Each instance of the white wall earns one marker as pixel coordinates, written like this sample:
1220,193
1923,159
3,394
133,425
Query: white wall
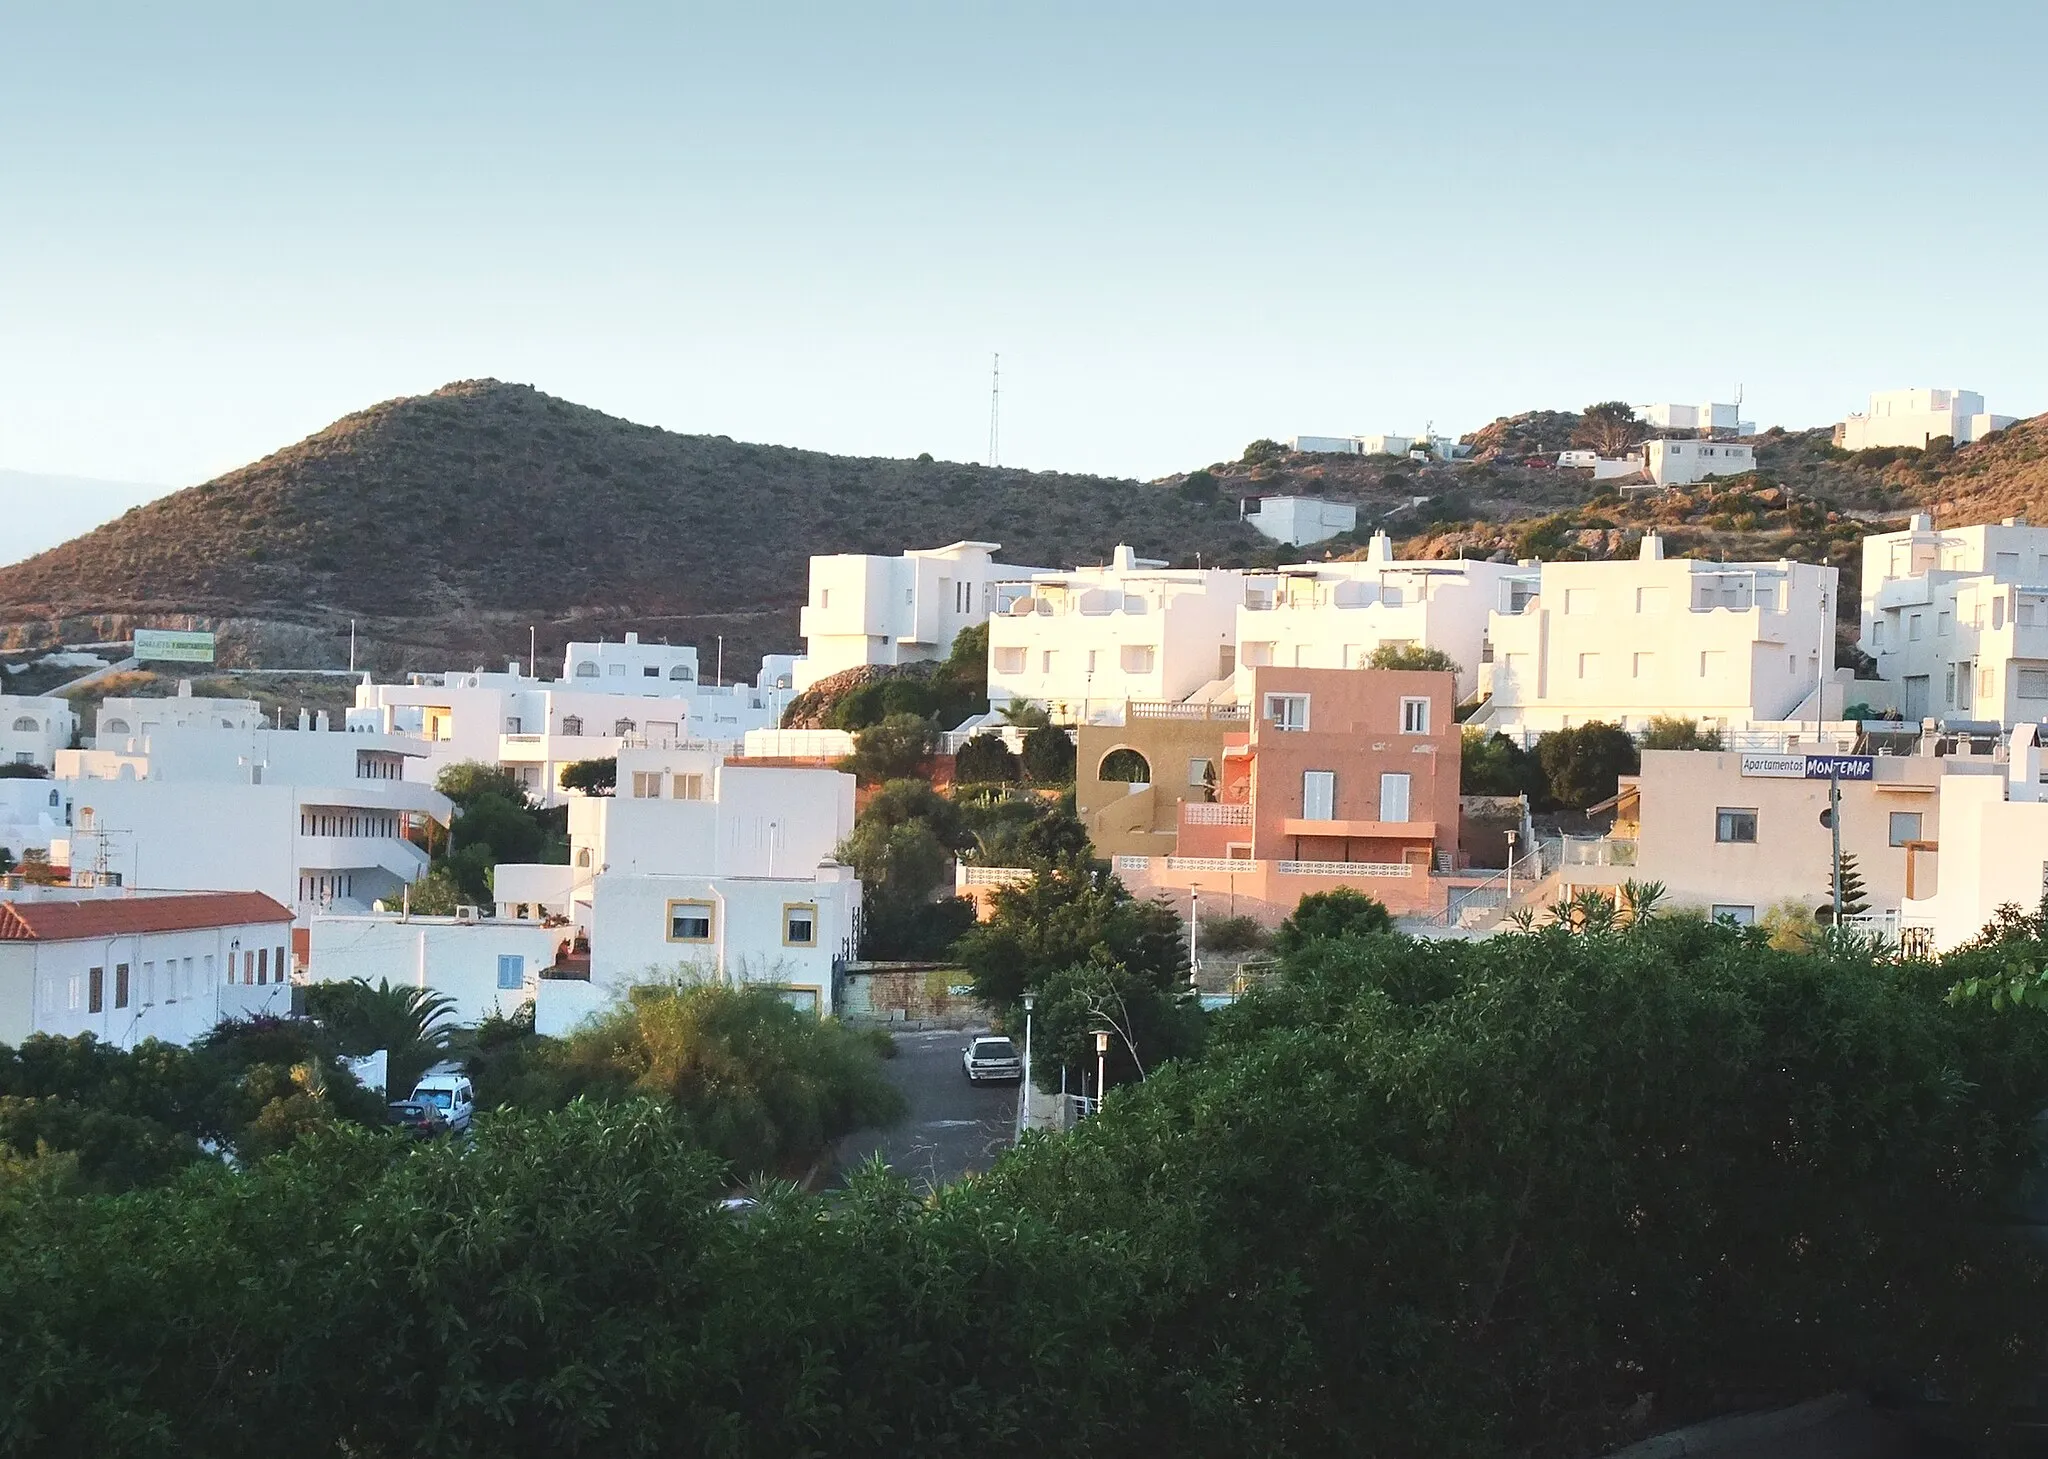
868,609
1300,520
1680,463
1914,417
460,960
120,719
45,986
33,729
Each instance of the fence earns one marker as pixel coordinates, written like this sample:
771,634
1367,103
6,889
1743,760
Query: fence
1211,813
1345,868
1163,709
993,876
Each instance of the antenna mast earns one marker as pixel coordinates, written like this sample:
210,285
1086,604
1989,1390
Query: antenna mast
995,400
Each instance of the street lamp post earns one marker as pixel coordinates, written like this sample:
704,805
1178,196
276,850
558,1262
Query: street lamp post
1024,1089
1101,1063
1194,930
1511,868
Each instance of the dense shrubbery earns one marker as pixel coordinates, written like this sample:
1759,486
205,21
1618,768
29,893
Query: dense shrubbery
1414,1199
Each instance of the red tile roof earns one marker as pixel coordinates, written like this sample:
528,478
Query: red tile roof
90,917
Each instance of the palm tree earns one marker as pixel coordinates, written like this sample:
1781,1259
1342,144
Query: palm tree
412,1025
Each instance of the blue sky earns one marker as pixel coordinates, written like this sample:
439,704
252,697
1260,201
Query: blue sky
1183,225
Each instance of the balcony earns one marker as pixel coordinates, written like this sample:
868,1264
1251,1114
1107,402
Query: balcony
1598,851
1382,830
1389,870
1208,813
1196,713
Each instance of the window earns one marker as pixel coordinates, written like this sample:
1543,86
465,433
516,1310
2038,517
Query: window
1740,915
1394,797
96,990
27,725
1137,658
617,671
650,671
622,727
2033,683
1905,827
209,970
1589,666
583,856
689,921
1009,661
1643,665
572,724
511,970
1735,826
824,597
1414,716
114,727
263,965
647,785
278,967
1581,600
1201,772
2006,565
684,673
1318,795
1258,655
799,925
120,985
1046,660
1653,600
586,670
149,989
1913,627
1941,623
1287,711
689,786
1948,685
1712,661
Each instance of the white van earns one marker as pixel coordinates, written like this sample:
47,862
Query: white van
452,1095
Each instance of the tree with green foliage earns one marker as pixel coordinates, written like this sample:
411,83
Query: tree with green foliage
1340,912
411,1024
467,781
1609,427
1855,897
591,777
1146,1016
1495,765
1666,732
1028,832
1048,757
902,848
1582,765
765,1086
504,829
1411,656
1067,915
1200,490
1263,452
23,771
899,748
986,760
1124,766
1024,714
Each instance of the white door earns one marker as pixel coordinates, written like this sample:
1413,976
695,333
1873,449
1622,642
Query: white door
1394,797
1318,795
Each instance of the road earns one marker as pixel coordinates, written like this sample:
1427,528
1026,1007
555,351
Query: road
952,1128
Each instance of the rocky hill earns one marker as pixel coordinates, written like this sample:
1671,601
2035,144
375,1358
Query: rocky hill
445,524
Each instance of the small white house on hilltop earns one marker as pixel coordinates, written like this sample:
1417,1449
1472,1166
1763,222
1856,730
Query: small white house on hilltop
1713,418
1301,520
1681,463
1915,417
122,722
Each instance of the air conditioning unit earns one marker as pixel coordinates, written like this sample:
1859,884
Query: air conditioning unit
467,913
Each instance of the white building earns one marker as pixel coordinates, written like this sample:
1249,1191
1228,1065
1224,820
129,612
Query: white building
1300,520
866,609
1958,618
1681,463
609,693
120,720
1332,615
1915,417
1604,468
1442,447
486,965
1712,418
1730,644
1081,643
316,820
33,729
127,968
1993,851
698,869
31,814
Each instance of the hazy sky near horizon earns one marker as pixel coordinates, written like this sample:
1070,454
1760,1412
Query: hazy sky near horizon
1183,225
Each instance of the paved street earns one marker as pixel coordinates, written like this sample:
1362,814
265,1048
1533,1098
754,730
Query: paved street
952,1127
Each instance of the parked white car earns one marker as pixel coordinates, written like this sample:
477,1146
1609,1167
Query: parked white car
452,1095
991,1058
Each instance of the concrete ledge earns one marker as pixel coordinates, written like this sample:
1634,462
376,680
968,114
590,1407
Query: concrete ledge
1840,1426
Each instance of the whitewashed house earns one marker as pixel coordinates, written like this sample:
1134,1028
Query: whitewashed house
486,965
1916,417
1958,618
123,721
697,869
608,694
31,814
1332,615
1681,463
1081,643
127,968
1729,644
868,609
1301,520
312,818
1993,850
34,728
1713,418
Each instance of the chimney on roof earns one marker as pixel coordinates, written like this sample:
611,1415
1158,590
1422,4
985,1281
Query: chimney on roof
321,722
1381,548
1124,559
1653,548
632,638
305,719
184,688
1922,522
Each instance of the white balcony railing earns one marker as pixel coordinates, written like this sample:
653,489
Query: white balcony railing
1206,813
1598,851
1224,864
1131,863
993,876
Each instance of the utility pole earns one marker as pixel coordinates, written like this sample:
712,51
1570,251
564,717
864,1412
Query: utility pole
532,649
721,662
351,645
995,399
1835,828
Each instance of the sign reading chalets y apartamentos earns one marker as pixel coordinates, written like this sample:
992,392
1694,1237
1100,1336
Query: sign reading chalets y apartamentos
163,645
1810,767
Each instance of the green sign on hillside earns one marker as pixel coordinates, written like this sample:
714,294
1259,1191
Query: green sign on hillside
162,645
